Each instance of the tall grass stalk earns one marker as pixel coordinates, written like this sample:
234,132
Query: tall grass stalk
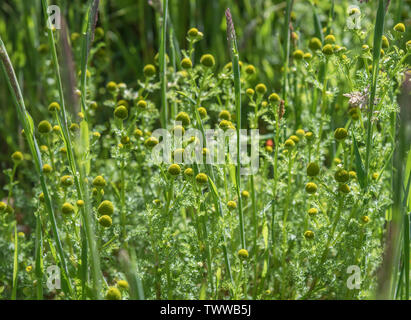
79,175
28,127
237,87
38,268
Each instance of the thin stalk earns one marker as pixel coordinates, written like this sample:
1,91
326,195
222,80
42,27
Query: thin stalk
237,88
38,268
286,37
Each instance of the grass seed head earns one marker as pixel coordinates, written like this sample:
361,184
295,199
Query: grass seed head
106,208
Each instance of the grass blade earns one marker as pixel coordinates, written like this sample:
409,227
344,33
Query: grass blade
35,152
237,87
79,175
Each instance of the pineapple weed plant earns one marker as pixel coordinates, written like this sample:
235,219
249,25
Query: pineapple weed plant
120,226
